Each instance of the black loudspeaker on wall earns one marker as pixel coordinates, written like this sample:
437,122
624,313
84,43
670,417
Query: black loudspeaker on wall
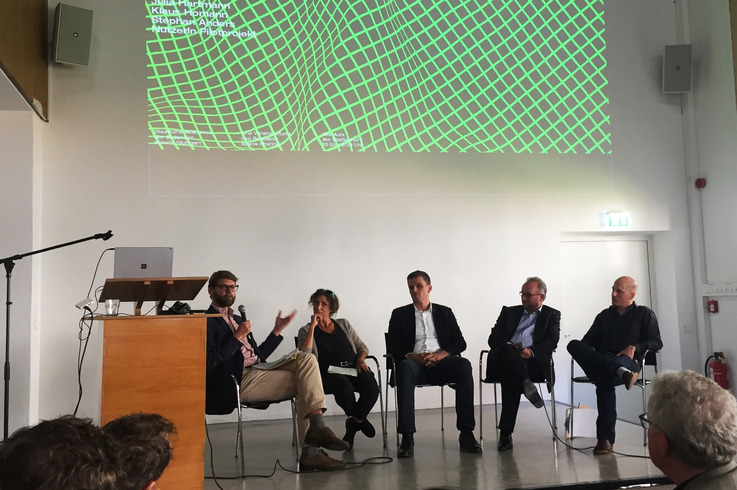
677,68
72,35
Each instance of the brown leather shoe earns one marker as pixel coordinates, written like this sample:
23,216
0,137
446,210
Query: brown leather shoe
629,379
603,446
324,437
320,462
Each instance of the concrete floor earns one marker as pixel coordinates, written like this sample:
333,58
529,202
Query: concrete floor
535,462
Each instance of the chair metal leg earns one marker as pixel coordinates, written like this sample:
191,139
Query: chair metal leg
551,388
294,421
396,414
381,405
570,417
239,441
481,399
238,434
644,409
442,408
381,400
552,408
496,410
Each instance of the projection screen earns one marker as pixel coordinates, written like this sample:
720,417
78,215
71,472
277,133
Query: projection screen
514,76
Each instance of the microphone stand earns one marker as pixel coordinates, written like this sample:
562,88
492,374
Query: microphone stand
9,263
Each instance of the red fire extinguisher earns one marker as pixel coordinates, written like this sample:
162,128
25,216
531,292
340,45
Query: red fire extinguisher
717,369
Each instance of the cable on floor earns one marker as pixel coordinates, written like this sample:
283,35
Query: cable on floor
555,433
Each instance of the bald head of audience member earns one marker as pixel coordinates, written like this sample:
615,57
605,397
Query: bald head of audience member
693,426
63,453
144,441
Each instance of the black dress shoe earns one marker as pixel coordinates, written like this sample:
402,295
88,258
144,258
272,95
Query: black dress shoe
531,394
407,446
469,444
367,428
351,427
505,442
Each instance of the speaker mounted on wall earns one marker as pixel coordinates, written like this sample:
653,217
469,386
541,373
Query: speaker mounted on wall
72,35
677,69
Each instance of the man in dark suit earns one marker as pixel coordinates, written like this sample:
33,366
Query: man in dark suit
426,342
232,351
522,343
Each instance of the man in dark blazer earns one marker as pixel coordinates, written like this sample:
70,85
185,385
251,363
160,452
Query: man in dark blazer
425,342
522,343
233,352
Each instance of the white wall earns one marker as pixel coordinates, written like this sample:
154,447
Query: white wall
357,225
16,218
715,116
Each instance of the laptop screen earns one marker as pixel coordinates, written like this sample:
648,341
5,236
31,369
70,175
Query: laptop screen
135,262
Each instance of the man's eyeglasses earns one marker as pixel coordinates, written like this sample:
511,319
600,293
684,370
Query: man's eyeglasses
227,287
325,292
528,295
644,421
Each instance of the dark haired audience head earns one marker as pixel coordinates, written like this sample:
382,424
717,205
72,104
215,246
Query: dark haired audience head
63,453
129,453
145,447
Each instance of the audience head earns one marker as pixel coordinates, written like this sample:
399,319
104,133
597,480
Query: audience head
144,440
59,454
330,296
693,423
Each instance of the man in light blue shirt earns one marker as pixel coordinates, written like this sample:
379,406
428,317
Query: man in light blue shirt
522,343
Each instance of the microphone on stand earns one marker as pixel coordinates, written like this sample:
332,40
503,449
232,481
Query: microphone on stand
104,236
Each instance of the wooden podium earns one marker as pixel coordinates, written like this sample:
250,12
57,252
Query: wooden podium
157,364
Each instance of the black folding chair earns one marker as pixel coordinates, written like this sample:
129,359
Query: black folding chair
497,379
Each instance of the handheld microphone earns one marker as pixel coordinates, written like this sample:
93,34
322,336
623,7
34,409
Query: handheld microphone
251,340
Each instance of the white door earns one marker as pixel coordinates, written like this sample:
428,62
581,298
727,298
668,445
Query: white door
589,268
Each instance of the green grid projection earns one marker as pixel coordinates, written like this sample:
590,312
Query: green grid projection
381,75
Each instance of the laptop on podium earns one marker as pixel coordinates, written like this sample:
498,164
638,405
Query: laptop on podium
137,262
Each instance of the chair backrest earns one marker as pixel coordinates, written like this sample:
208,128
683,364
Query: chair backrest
651,358
389,361
386,347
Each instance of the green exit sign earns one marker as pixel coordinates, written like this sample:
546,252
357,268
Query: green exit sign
617,220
